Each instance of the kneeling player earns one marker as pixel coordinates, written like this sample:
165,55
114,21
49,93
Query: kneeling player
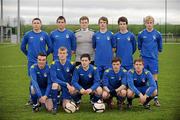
61,75
40,84
141,84
114,83
86,80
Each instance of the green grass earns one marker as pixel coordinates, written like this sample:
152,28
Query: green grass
14,91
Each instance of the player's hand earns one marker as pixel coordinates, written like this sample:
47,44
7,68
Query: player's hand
142,98
43,99
88,91
83,91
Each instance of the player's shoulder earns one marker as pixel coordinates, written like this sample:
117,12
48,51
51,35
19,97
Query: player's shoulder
142,31
44,32
54,62
78,67
69,31
110,32
131,71
157,32
28,32
123,69
146,72
53,32
33,66
78,30
108,70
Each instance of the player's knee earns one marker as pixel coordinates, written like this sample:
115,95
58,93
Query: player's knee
55,86
49,104
105,95
32,90
99,91
65,101
123,93
130,93
154,93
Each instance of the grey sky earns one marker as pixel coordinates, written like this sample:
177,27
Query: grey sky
134,10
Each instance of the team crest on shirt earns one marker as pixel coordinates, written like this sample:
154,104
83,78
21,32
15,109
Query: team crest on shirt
41,38
128,38
154,37
67,36
56,36
108,38
90,75
67,69
143,80
45,74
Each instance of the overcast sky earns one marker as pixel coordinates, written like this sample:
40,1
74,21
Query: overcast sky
134,10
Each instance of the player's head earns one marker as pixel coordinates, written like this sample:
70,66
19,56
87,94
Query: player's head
138,65
84,22
61,22
41,59
36,24
85,60
62,53
123,23
103,22
149,22
116,63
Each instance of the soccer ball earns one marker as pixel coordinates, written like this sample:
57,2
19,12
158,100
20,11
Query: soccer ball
99,107
70,107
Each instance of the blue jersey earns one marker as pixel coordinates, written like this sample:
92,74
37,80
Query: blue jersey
125,47
103,44
40,79
64,38
114,80
37,43
145,79
150,43
86,79
60,73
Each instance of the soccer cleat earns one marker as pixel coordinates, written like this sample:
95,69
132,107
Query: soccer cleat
35,108
54,111
156,103
110,103
129,106
29,103
77,106
147,106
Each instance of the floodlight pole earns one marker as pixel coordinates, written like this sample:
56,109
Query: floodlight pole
62,7
1,21
18,22
38,8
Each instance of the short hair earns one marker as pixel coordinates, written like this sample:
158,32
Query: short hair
84,18
122,19
138,60
36,19
116,59
61,18
103,18
85,55
62,48
148,18
42,54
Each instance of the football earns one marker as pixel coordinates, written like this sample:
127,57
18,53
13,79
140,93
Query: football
99,107
70,107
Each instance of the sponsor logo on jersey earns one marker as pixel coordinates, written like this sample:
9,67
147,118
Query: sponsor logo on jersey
67,36
31,37
67,69
143,80
128,38
45,74
90,75
144,37
108,38
135,79
118,38
56,36
58,69
41,38
119,78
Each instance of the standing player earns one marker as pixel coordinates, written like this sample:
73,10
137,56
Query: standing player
114,83
86,80
150,44
40,83
141,84
61,75
84,40
62,37
125,44
35,42
104,46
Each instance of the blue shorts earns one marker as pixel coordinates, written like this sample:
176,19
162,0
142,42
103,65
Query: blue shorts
142,89
43,91
151,65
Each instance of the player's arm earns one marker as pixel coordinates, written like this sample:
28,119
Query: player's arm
48,89
73,43
113,43
133,41
105,81
159,42
94,41
152,84
35,85
139,41
131,83
52,40
96,79
75,79
123,81
54,78
24,43
49,45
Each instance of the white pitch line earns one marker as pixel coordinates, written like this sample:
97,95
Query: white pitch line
12,66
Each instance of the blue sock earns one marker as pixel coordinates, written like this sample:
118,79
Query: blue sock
54,97
120,99
77,98
34,98
96,98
